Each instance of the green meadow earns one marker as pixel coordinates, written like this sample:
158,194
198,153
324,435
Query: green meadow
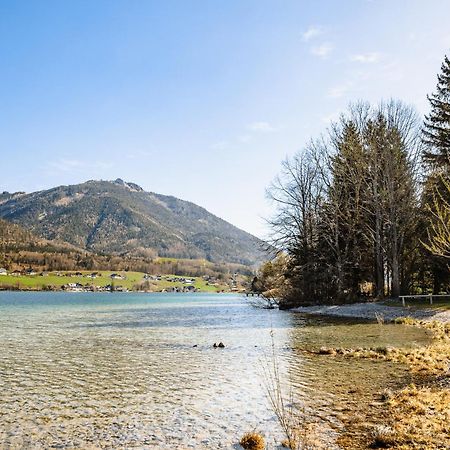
131,281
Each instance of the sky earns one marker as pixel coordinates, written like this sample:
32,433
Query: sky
198,99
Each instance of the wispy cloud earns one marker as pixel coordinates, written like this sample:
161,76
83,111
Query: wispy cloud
323,50
366,58
74,165
340,90
311,33
65,164
246,136
391,72
263,127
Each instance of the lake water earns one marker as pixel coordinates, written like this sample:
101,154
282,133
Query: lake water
139,370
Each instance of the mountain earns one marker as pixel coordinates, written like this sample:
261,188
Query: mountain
120,218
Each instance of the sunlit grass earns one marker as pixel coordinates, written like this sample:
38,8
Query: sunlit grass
419,418
132,281
431,359
253,441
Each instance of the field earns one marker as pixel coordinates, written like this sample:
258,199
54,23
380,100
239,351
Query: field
131,281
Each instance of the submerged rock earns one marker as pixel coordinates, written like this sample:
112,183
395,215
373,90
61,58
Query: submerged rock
326,351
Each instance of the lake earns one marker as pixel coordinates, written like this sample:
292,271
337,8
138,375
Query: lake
88,370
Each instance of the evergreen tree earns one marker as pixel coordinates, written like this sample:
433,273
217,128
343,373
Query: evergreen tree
436,195
439,231
343,215
436,133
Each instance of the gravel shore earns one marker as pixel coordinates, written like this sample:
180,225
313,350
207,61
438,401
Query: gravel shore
371,310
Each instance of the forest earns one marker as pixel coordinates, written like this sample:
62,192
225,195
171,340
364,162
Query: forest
363,211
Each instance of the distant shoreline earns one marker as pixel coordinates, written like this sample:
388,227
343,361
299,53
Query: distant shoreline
116,281
116,292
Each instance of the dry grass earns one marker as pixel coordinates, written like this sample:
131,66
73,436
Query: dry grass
253,441
416,417
420,416
419,419
380,318
405,321
383,437
432,359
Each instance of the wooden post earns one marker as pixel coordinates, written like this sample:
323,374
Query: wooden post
403,300
431,299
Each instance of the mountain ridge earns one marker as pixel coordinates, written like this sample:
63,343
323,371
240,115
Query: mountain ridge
119,217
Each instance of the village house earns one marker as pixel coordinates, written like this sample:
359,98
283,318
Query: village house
3,271
92,275
150,277
74,287
189,289
116,276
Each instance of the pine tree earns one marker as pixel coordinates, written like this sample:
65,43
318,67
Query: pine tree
344,210
436,133
436,196
439,231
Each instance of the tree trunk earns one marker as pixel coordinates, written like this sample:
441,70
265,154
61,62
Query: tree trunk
395,277
379,263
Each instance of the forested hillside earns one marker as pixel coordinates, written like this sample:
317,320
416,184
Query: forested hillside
119,218
21,249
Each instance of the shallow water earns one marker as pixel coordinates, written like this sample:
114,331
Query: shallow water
115,371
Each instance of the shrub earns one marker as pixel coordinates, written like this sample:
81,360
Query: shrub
253,441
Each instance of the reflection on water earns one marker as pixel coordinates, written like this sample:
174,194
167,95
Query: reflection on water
121,370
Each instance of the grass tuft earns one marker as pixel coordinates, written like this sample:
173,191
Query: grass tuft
383,437
405,321
253,441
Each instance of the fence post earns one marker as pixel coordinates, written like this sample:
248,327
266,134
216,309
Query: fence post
403,300
431,299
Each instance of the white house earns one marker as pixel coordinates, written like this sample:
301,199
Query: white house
116,276
3,271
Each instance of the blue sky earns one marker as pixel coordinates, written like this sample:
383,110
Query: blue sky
198,99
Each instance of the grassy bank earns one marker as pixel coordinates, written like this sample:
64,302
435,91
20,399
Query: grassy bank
418,415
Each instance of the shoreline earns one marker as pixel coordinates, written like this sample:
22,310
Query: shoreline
370,311
418,412
99,291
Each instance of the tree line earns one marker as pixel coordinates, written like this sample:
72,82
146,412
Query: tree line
364,211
